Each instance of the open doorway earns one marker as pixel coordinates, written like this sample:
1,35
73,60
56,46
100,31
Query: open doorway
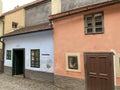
18,65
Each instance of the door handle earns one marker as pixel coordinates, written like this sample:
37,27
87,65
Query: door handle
101,74
92,73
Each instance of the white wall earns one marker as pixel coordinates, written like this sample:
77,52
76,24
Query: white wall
56,6
39,40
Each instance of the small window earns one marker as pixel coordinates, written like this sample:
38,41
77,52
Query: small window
73,62
8,55
14,25
94,23
35,58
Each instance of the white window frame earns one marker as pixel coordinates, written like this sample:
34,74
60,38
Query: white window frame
79,63
117,64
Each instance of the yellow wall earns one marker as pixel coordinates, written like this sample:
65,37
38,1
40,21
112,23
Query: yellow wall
0,7
1,24
18,16
56,6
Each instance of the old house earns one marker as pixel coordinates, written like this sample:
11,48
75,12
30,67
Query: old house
12,20
87,47
29,48
1,33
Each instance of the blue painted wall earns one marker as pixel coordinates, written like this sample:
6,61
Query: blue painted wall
38,40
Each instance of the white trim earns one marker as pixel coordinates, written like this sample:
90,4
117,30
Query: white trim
117,65
79,63
115,70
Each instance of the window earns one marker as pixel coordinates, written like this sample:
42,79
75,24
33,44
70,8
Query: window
8,55
94,23
14,25
73,62
35,58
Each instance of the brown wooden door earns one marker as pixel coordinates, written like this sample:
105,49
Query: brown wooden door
99,71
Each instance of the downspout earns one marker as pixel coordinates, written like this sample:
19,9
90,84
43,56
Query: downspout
3,50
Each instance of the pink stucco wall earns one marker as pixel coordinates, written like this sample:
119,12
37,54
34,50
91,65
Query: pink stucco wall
69,37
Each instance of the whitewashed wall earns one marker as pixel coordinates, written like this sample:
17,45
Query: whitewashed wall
38,40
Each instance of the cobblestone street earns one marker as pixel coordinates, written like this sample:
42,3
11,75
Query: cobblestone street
18,83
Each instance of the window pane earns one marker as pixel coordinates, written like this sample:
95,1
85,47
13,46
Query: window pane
37,59
32,53
89,18
98,18
37,63
8,54
72,62
37,53
99,30
32,62
89,25
14,25
33,58
89,30
98,24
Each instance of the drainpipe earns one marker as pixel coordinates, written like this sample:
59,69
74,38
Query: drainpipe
2,62
3,49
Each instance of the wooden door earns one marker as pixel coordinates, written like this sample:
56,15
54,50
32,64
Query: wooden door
99,71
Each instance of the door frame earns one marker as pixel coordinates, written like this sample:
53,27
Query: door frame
23,60
99,53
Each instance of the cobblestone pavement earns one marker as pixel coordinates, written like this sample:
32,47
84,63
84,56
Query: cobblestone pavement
18,83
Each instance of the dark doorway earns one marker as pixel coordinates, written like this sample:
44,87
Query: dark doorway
18,62
99,71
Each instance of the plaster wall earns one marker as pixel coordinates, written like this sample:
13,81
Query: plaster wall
69,37
38,14
56,6
39,40
18,17
72,4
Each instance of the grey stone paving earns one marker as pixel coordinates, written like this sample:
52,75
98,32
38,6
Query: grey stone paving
18,83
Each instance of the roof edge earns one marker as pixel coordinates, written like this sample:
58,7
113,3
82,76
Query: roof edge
48,29
83,9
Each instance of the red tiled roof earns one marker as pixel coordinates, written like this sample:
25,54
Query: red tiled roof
30,29
83,9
